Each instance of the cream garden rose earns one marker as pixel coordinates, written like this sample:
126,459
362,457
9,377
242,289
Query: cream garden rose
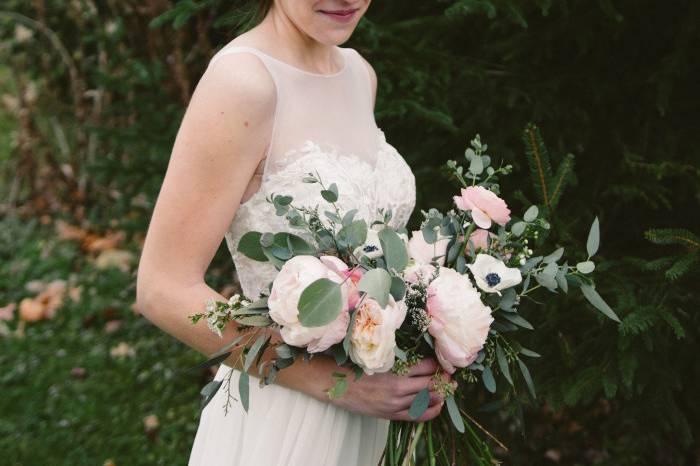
459,320
294,276
373,339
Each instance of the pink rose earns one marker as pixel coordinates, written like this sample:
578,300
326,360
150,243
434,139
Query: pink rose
484,205
294,276
373,336
459,321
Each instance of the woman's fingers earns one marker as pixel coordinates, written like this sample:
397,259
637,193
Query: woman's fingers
405,401
424,367
412,385
430,413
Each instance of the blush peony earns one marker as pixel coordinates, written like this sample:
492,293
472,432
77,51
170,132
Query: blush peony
459,321
295,275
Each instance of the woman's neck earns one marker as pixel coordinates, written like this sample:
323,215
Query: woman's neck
293,45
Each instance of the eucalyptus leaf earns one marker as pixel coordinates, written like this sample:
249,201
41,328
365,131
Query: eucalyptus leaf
518,228
593,241
244,389
561,278
419,404
528,379
395,252
208,392
299,246
597,301
503,364
455,415
476,166
518,320
320,303
531,213
249,246
530,353
254,349
398,288
553,257
507,299
585,267
377,284
489,381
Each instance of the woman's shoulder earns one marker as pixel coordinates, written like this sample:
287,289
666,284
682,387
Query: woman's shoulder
368,66
240,76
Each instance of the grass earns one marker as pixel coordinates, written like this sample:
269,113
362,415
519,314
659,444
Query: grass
49,414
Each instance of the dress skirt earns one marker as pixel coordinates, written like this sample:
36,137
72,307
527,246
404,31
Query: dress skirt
283,427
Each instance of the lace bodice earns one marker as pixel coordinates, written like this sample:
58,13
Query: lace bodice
339,140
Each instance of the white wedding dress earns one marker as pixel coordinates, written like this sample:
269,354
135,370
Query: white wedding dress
324,123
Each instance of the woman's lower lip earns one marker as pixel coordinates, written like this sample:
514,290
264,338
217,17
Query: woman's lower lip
340,18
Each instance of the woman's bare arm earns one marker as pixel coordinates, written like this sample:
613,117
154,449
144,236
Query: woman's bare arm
220,142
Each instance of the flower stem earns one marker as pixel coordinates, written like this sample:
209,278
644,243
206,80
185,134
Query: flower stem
413,444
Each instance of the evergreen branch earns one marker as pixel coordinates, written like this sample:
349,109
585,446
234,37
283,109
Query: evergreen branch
563,173
539,160
682,266
673,236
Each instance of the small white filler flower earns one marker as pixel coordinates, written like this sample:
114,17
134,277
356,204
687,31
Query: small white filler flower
492,275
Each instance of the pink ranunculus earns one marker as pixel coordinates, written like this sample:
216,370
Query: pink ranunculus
294,276
484,205
459,320
479,240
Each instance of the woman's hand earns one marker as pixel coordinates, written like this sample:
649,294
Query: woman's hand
389,396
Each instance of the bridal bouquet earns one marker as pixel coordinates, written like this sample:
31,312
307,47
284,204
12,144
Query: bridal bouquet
377,300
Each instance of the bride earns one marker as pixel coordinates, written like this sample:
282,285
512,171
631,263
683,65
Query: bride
280,100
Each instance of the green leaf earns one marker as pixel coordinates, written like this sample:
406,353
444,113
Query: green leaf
348,217
299,246
249,246
489,381
419,404
530,353
355,233
528,379
507,299
330,194
503,363
476,165
244,390
398,288
518,320
553,257
531,213
454,413
377,284
597,301
593,238
394,248
340,386
518,228
208,392
254,350
320,303
585,267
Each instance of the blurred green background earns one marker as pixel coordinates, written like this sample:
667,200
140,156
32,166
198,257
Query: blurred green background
92,94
